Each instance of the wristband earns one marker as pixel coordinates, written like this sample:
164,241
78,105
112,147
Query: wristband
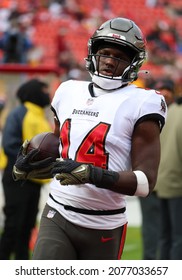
142,184
103,178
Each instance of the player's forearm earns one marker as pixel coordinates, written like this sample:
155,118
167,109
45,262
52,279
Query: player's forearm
124,182
70,172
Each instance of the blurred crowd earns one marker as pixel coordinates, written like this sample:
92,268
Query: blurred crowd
79,18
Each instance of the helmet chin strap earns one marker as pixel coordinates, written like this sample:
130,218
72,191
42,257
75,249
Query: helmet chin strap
107,83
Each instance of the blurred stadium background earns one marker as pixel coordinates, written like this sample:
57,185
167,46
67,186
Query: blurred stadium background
45,21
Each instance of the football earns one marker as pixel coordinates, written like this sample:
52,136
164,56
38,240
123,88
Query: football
47,143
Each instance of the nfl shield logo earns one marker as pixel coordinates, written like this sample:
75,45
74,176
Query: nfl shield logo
90,101
51,214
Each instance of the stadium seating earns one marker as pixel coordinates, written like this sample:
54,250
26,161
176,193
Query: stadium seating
77,35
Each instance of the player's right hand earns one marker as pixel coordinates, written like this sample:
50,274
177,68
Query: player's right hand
26,168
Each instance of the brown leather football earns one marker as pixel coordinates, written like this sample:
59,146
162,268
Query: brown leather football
47,143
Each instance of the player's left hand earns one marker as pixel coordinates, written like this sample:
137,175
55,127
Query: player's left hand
70,172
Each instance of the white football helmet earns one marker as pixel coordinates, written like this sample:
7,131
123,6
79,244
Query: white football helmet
127,36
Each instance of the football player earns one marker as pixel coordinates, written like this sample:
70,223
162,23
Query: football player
109,148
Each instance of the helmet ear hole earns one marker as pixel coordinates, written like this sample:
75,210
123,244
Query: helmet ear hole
132,75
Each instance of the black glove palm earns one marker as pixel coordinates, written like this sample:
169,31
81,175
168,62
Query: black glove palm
26,167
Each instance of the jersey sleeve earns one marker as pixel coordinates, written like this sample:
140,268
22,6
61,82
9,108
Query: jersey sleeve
153,108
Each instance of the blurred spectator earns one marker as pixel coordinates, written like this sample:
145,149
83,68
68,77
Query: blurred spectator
75,9
64,57
167,89
3,159
22,200
162,43
15,44
169,185
151,3
56,9
150,206
4,15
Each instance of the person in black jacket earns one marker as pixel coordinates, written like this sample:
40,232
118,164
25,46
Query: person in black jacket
15,44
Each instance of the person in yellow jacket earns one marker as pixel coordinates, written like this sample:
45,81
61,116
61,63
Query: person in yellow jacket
22,198
3,158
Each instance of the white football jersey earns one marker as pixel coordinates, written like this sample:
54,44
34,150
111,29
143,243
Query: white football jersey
98,130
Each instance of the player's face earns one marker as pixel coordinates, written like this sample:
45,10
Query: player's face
111,61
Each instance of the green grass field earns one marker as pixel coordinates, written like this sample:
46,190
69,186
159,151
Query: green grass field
133,244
